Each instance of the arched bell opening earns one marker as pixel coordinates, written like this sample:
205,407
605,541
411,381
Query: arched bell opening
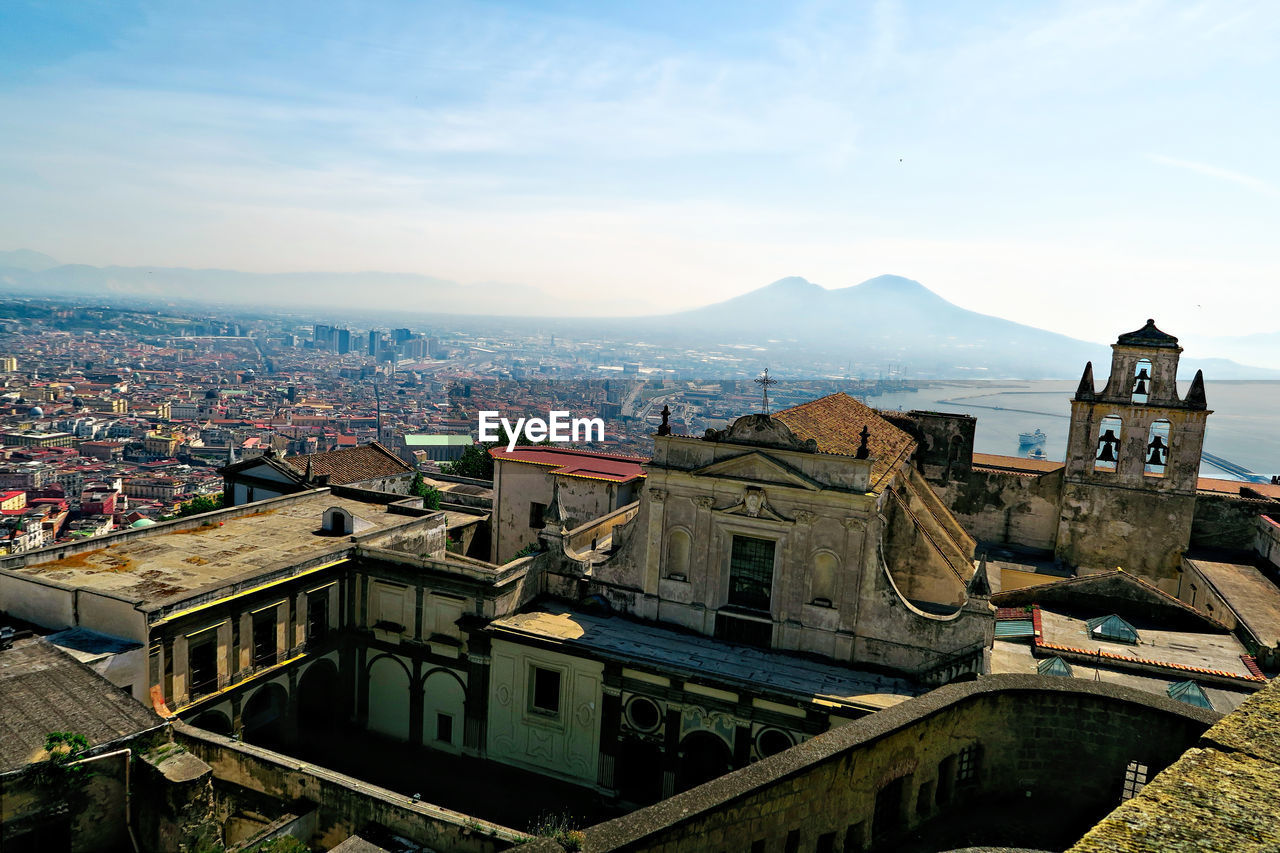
1107,451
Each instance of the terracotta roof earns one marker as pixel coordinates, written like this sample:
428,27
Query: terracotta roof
1017,464
1233,487
352,464
610,467
835,422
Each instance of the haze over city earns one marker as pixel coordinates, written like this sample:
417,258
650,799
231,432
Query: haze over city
1058,165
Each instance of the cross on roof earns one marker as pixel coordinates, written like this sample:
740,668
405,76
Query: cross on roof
764,382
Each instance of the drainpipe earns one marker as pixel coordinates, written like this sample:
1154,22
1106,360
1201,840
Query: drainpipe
128,811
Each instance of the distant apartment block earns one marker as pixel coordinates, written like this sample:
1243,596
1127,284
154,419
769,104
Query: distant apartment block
39,439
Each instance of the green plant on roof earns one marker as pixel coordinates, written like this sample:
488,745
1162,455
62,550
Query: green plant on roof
419,489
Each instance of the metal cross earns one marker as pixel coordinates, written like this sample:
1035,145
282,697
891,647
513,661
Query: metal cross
764,382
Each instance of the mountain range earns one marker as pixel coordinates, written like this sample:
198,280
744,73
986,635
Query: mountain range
888,320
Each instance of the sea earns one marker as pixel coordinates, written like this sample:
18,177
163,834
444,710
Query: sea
1244,427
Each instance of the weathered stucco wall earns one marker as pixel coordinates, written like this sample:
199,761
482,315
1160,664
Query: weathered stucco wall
1005,508
1054,747
1226,522
1141,532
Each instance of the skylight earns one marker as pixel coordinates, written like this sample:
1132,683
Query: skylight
1112,628
1191,693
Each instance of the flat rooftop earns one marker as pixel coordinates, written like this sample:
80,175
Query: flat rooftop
162,564
1254,599
702,658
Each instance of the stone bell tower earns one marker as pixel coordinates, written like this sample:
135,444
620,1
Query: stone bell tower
1133,458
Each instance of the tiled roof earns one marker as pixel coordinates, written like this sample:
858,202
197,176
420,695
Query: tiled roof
576,463
835,423
43,690
352,464
1016,464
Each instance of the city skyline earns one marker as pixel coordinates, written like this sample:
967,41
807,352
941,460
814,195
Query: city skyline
1028,163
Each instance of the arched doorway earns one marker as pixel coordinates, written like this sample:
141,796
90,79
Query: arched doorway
389,697
213,721
638,772
265,716
703,757
320,701
444,701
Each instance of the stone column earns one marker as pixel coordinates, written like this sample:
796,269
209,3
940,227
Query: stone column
416,702
671,748
180,662
225,663
282,630
741,742
362,687
610,714
299,621
653,564
246,641
476,724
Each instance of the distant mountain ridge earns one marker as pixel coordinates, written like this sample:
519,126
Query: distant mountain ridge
892,319
888,319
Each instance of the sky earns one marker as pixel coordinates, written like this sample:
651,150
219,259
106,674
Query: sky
1076,166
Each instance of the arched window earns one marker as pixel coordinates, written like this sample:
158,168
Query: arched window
822,582
1107,451
1157,453
678,547
1141,381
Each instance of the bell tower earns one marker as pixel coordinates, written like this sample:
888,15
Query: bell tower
1133,459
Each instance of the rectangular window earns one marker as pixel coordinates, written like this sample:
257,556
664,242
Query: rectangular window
317,616
793,842
751,572
946,779
444,728
887,817
536,513
264,637
826,843
853,837
967,764
924,798
544,691
202,664
1135,777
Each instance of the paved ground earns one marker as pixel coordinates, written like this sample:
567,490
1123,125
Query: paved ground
495,792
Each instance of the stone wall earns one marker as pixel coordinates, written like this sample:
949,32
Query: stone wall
1051,752
1005,508
346,805
1228,523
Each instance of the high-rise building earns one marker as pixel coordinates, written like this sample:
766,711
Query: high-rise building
374,340
342,340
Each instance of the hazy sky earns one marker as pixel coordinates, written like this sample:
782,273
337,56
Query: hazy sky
1078,167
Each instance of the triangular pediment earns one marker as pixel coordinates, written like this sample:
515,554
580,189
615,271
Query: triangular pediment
758,468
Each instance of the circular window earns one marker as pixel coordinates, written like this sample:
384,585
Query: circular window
772,741
643,714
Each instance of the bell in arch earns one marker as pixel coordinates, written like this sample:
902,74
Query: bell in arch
1108,442
1143,379
1158,449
